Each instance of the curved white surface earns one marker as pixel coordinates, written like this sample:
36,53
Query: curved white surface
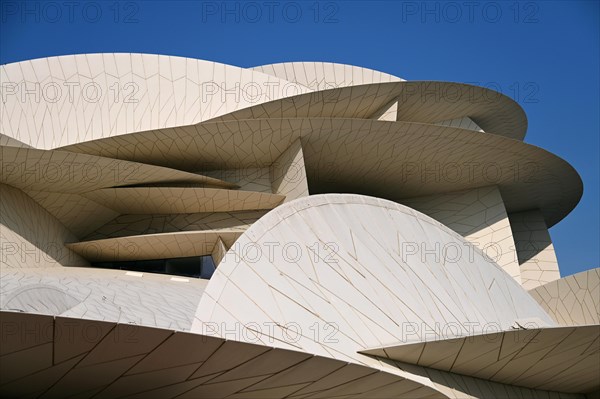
83,97
144,299
372,280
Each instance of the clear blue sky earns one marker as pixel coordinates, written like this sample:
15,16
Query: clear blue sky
544,54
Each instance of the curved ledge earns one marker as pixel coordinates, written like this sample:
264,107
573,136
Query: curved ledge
418,101
133,225
153,246
169,200
70,172
565,359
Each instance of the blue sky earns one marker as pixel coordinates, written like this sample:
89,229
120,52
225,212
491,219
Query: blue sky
545,55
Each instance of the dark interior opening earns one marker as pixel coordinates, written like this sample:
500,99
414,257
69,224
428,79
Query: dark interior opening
194,266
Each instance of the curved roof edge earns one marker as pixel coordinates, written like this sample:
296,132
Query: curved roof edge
321,75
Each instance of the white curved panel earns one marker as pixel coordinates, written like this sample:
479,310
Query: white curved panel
57,101
348,264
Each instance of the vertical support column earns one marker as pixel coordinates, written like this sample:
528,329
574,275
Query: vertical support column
288,174
535,250
218,252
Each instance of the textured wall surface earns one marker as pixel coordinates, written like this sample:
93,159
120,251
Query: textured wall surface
248,179
165,200
31,237
572,300
388,113
558,358
79,214
154,246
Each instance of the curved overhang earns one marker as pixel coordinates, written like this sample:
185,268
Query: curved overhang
132,225
157,91
417,101
73,356
178,244
393,160
70,172
396,161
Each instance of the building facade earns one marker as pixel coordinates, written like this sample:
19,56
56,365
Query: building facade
174,227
